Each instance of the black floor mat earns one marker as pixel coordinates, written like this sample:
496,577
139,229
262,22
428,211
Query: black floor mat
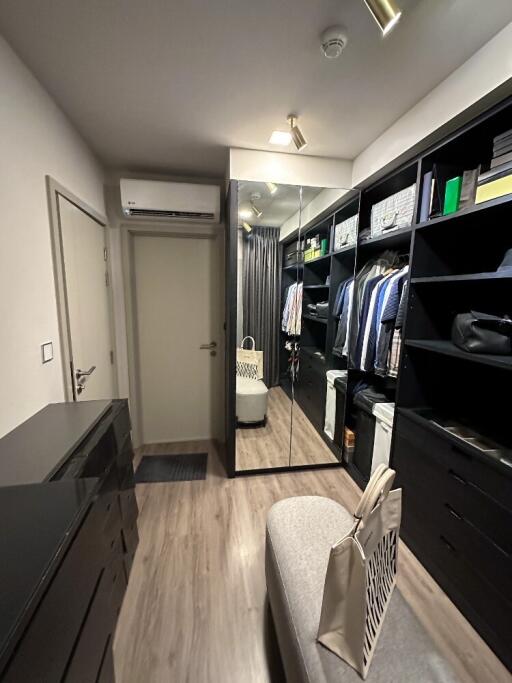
160,468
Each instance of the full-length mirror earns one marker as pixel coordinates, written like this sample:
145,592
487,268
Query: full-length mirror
265,330
296,253
327,236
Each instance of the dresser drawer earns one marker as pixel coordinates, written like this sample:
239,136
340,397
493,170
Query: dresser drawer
63,608
427,464
129,508
477,597
100,622
122,425
470,468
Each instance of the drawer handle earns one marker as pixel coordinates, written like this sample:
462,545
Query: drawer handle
456,476
448,545
453,512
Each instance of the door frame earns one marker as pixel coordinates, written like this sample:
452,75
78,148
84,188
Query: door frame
54,191
128,232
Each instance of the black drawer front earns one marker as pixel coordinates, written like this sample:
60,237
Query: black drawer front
107,674
426,464
122,425
125,452
100,622
485,477
129,508
477,598
64,606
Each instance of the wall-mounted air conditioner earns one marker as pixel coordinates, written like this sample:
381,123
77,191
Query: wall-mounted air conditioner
170,200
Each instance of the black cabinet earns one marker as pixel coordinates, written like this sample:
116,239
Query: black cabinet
310,388
457,517
59,621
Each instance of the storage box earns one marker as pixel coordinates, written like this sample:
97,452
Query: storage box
345,233
394,212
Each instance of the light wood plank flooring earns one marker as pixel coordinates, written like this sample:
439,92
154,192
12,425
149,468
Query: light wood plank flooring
269,446
195,608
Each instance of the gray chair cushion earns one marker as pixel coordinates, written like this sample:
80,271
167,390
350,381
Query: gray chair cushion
300,533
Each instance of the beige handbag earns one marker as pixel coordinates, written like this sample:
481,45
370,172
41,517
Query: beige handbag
361,574
249,362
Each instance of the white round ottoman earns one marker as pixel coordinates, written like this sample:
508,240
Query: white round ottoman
251,400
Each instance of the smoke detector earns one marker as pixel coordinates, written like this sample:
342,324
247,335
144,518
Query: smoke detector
333,40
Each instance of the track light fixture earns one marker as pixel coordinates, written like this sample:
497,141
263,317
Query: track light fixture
385,13
271,187
298,138
254,198
246,227
256,211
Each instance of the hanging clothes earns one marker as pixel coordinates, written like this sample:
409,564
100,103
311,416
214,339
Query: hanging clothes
396,342
292,311
394,296
372,326
341,311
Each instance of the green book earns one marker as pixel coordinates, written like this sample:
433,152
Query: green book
452,195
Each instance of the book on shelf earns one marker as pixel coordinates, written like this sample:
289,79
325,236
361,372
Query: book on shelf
426,197
494,188
502,159
440,174
468,189
495,173
452,195
503,148
503,136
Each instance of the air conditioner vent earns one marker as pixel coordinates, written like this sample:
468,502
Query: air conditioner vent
156,213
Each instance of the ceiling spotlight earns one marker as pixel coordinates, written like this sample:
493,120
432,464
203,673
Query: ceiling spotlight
280,137
245,213
271,187
256,211
333,40
246,227
385,13
298,139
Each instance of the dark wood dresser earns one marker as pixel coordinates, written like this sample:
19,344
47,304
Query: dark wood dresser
68,538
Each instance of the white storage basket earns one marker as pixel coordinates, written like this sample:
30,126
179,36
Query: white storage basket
345,233
393,212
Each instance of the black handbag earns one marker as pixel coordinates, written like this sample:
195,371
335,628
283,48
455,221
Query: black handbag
482,333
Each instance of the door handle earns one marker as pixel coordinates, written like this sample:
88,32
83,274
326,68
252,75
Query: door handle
84,373
211,345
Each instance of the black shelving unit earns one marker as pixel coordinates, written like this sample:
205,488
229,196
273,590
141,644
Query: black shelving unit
452,442
457,496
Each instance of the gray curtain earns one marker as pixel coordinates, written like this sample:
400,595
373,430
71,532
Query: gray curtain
262,296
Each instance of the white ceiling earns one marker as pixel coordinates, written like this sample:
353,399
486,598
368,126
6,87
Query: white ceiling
163,85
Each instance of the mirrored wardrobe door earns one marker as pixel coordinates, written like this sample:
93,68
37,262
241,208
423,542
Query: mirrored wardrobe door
266,291
327,233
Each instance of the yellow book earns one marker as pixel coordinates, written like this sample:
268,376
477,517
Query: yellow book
496,188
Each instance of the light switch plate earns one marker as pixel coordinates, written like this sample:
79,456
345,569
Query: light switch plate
47,352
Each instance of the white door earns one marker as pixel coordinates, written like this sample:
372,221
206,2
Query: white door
177,309
88,307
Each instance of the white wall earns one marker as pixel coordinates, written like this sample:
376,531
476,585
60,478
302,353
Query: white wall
289,169
37,140
484,72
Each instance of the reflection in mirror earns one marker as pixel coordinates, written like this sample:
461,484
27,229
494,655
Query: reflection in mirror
327,234
267,314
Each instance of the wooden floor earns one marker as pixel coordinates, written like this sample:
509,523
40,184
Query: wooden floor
195,608
269,446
